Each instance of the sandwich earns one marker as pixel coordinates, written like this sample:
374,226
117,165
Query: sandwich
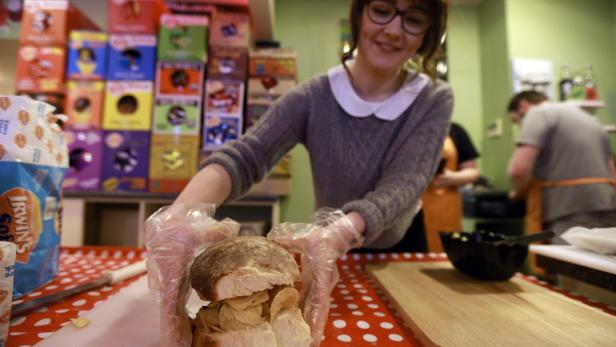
249,282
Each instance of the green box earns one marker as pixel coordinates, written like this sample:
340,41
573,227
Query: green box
183,38
177,115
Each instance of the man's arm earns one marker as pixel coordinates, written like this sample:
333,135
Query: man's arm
520,170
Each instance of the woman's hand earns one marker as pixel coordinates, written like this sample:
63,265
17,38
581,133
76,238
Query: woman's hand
173,235
330,235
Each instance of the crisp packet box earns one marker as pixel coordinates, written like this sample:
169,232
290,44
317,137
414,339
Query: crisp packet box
276,62
220,129
33,163
48,22
183,38
230,29
87,55
224,97
131,57
228,62
134,17
40,69
128,105
177,115
85,160
125,160
267,89
84,104
173,162
179,78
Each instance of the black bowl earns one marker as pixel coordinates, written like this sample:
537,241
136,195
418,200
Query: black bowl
476,254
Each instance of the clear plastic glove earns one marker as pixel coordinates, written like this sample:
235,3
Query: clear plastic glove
174,235
329,236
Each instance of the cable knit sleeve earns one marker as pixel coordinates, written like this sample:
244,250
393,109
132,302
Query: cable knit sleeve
251,157
407,171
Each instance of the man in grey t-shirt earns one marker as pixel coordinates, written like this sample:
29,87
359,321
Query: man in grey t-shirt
563,158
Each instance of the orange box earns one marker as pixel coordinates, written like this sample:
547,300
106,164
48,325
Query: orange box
48,22
173,162
84,104
179,78
134,16
230,29
40,69
276,62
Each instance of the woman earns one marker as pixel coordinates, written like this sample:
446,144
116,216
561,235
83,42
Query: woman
442,201
373,129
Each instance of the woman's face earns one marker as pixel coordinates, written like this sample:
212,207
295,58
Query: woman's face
388,46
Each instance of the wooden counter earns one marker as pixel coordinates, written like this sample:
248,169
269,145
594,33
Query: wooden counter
444,307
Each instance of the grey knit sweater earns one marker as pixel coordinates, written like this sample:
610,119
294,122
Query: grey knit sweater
375,167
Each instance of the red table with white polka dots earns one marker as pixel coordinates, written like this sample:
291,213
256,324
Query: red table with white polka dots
359,316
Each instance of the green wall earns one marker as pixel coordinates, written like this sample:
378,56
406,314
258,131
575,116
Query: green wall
495,85
464,58
571,32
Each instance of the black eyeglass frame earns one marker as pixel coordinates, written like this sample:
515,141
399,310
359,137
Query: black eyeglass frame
397,13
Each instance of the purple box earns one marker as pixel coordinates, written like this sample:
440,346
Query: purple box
125,160
85,159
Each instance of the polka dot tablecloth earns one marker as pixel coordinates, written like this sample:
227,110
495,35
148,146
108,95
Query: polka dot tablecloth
77,266
359,315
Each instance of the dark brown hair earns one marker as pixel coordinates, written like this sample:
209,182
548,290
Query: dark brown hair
532,96
431,48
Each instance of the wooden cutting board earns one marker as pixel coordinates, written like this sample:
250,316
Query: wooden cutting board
444,307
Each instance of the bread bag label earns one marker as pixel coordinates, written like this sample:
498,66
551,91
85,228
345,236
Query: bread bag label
33,163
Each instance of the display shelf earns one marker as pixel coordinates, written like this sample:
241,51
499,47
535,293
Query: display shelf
587,103
118,218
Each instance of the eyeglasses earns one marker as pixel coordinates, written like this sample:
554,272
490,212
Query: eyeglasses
414,22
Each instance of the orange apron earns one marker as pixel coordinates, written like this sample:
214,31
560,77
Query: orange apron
534,204
442,207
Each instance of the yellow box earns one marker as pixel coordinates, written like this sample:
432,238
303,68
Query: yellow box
128,105
173,161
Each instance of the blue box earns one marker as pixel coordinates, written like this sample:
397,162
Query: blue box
87,55
132,57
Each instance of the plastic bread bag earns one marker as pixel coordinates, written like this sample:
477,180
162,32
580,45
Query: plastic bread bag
320,243
598,240
174,235
33,163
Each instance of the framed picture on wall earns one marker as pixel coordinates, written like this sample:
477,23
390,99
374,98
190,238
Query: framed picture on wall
533,74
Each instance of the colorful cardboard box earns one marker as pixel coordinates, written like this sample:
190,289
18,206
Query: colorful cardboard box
177,115
220,129
128,105
40,69
85,160
173,162
265,90
179,78
224,97
87,55
134,16
132,57
230,29
84,104
125,160
183,38
228,62
48,22
277,62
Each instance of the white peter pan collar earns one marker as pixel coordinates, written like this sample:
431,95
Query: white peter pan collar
389,109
